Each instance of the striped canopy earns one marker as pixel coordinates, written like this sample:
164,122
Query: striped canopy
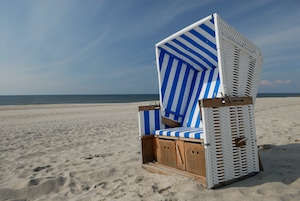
187,66
194,46
194,64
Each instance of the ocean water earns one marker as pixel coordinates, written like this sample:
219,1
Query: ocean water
278,95
81,99
75,99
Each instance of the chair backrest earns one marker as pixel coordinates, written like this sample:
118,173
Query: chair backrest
204,60
182,86
207,86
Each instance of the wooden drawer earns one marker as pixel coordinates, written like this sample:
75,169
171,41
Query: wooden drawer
195,158
166,153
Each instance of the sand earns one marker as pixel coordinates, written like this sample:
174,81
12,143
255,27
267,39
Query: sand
92,152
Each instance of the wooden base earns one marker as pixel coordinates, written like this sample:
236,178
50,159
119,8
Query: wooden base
167,155
173,156
166,170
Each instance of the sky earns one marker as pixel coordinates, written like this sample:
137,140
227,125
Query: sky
107,46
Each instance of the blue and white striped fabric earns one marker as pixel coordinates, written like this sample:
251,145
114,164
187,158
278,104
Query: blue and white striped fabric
149,122
196,46
208,87
184,132
188,71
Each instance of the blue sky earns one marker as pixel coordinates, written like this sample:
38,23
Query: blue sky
107,46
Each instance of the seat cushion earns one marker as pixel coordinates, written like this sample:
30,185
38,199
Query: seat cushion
184,132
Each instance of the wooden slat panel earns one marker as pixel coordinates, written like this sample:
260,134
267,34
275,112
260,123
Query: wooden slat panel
223,102
180,154
170,122
180,138
147,149
149,107
155,148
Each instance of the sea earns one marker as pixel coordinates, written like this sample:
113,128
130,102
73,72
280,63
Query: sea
90,99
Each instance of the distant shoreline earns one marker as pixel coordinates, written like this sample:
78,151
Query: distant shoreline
94,99
277,95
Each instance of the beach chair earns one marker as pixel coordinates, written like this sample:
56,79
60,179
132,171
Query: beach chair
208,76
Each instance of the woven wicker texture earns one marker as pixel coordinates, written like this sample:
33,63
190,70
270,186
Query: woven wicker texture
241,62
225,160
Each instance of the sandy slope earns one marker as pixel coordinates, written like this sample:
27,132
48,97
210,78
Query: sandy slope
91,152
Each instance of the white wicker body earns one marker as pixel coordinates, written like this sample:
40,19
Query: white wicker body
224,160
240,62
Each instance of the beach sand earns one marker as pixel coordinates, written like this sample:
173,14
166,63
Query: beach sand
92,152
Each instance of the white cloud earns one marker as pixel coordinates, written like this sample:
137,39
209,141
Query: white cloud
282,81
275,82
265,83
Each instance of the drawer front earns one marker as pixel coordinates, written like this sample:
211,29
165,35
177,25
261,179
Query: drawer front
166,152
195,158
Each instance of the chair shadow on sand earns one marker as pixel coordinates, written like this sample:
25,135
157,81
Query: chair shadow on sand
280,163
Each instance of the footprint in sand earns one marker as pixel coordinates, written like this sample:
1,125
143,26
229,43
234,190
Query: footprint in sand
76,186
36,188
160,191
111,189
102,185
89,157
34,182
264,192
40,168
139,179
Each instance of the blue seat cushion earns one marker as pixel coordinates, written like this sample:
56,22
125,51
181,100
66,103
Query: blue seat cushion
184,132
